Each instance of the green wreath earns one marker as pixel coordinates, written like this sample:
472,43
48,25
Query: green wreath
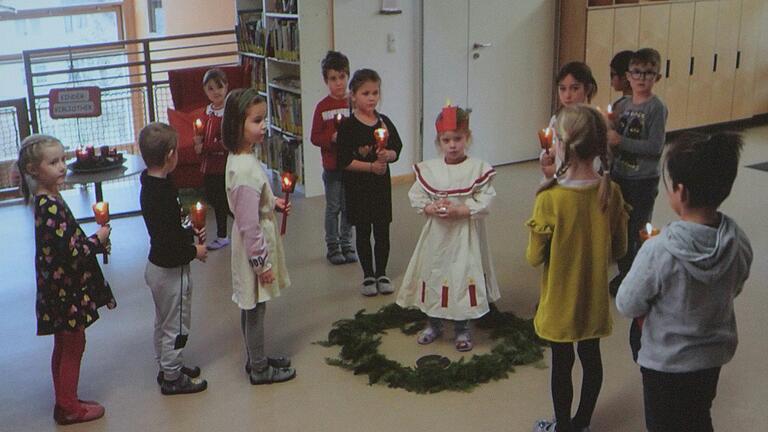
360,337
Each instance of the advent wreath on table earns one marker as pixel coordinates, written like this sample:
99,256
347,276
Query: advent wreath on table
360,337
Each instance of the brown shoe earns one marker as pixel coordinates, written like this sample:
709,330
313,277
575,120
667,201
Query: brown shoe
86,413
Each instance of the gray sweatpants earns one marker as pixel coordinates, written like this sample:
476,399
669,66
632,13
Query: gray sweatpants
172,293
252,325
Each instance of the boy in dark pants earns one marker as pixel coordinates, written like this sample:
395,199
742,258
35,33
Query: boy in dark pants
682,285
636,145
172,247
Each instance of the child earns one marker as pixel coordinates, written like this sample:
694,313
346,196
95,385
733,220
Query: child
366,178
338,232
258,261
619,69
636,145
683,282
575,84
578,227
70,285
214,155
171,249
451,275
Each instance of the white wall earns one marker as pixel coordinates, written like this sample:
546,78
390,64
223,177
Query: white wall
361,32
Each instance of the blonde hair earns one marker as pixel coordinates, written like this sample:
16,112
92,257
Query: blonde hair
462,126
583,132
31,153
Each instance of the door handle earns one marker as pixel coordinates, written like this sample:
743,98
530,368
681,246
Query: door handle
477,45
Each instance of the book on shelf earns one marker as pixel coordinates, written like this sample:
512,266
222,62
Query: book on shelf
286,111
257,72
283,40
250,32
284,6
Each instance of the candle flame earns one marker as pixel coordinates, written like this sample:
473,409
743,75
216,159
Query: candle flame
649,228
286,181
199,123
447,102
548,132
198,206
609,108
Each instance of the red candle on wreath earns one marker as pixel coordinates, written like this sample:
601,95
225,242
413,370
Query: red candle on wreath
288,184
381,135
81,154
198,125
101,214
197,214
104,151
545,139
91,152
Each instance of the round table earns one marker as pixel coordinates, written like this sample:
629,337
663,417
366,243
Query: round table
133,165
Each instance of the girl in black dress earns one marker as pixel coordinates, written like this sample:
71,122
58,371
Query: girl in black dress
366,178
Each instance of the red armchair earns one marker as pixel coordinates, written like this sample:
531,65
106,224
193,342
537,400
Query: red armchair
190,102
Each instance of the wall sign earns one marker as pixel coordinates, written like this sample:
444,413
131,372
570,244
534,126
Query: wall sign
74,102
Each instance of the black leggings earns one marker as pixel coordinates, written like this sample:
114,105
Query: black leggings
380,248
562,384
216,194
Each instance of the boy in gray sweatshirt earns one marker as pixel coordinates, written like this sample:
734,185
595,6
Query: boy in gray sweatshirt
682,285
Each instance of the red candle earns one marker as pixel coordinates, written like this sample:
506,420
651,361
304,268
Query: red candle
91,152
288,184
81,154
101,214
198,125
337,119
381,135
104,151
648,232
197,213
545,139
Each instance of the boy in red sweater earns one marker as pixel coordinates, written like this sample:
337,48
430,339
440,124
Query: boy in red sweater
329,112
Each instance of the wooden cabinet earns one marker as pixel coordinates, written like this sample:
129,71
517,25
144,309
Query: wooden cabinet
713,52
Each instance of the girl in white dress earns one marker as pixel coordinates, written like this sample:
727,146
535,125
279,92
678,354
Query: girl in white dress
451,275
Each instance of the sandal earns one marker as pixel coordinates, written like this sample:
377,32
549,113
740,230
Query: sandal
428,335
464,342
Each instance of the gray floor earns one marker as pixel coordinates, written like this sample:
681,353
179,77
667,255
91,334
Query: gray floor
118,368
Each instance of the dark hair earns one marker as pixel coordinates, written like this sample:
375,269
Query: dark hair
705,165
334,60
620,62
583,132
31,152
156,141
581,73
361,77
646,56
216,75
235,110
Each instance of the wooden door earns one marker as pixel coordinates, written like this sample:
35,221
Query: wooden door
677,77
744,85
702,63
625,35
599,52
761,71
724,61
654,33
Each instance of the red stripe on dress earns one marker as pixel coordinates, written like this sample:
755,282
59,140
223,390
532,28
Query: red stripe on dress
479,181
423,290
472,295
444,302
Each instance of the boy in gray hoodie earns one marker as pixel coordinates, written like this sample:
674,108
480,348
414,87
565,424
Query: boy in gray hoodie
682,285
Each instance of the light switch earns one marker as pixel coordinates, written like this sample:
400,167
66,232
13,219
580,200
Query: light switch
391,42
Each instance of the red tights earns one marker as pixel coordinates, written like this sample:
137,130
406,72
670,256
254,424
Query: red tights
68,347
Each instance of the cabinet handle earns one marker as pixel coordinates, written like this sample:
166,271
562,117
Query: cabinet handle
714,64
667,74
738,59
690,68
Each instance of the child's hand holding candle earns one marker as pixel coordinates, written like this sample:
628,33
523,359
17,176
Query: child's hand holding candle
101,215
288,184
199,127
545,139
197,214
381,135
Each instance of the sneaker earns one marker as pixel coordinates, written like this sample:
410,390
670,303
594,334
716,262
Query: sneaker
271,374
350,256
86,413
190,372
335,257
464,341
544,426
276,362
384,285
183,385
219,243
368,287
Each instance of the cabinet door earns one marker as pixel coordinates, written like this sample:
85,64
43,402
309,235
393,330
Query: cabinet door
744,86
654,33
702,57
679,55
761,72
626,24
724,68
600,52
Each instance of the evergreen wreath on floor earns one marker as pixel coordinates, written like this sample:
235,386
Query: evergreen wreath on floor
360,337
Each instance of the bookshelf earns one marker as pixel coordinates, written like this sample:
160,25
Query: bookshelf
269,43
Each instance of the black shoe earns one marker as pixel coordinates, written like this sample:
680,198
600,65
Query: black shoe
277,362
271,375
183,385
190,372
